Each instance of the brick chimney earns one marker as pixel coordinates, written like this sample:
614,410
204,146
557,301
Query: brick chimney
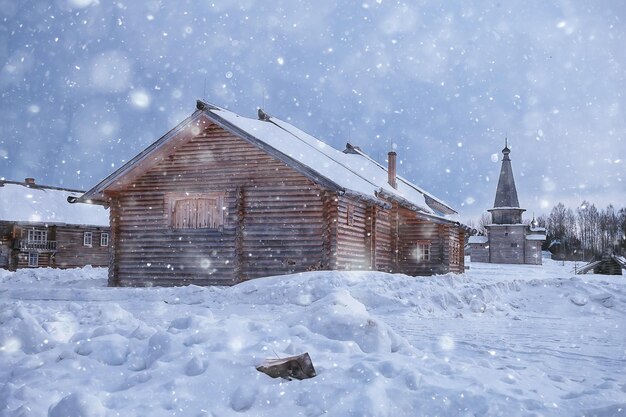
391,169
29,181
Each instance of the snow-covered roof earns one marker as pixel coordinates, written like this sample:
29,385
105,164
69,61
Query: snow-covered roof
349,173
435,203
478,239
21,202
536,237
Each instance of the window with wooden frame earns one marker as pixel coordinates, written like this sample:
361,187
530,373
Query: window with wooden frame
195,211
104,239
422,251
37,236
33,259
87,238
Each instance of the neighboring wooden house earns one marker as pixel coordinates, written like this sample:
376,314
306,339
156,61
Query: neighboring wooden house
508,240
223,198
39,228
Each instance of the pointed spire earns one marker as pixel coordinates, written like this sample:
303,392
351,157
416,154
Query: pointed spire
506,193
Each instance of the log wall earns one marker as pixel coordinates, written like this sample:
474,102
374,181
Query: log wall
69,251
479,252
5,244
353,242
532,252
412,231
273,218
506,244
383,239
454,250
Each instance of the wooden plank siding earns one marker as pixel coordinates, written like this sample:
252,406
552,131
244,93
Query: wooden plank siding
72,253
454,257
479,252
506,244
273,218
283,230
353,246
331,217
383,259
63,248
532,252
5,244
411,231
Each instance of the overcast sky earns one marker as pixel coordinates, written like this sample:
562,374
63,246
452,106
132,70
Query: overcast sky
85,85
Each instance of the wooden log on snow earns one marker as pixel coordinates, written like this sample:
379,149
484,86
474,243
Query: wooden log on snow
298,367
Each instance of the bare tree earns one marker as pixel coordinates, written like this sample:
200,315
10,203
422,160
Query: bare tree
483,222
621,226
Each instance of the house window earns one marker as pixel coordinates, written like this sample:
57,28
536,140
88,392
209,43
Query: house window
104,239
423,251
37,236
87,239
514,245
350,215
33,259
196,211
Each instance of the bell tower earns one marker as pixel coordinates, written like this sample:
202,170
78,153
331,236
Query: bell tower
506,209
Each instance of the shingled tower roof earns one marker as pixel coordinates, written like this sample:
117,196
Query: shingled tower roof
506,193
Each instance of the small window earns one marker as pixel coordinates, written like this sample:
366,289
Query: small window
87,239
104,239
423,251
196,211
37,236
33,259
514,245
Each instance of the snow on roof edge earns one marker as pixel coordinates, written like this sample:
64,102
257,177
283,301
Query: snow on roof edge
20,202
478,239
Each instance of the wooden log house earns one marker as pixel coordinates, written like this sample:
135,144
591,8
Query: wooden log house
222,198
39,228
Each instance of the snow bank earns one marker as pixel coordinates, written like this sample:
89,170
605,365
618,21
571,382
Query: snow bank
495,341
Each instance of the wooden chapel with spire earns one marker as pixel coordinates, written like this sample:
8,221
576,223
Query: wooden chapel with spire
508,240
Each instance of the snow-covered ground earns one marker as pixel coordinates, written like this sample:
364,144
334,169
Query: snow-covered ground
498,340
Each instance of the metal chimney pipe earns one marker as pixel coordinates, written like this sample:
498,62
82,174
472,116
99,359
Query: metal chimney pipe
391,169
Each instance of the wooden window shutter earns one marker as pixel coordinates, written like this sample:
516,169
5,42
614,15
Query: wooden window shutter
200,211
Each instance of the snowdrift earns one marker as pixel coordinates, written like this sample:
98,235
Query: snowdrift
499,340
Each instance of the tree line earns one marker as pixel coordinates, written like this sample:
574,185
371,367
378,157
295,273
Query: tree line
586,231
